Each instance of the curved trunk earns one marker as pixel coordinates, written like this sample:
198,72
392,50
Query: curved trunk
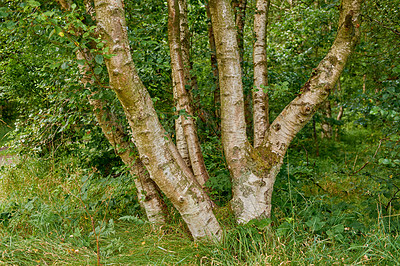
157,152
323,79
148,194
260,97
178,72
316,90
147,191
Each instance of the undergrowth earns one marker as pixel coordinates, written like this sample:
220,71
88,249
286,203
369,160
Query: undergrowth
326,211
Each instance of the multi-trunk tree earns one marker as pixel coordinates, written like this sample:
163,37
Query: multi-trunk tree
254,169
180,175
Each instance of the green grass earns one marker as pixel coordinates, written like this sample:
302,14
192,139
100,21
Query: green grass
323,214
4,133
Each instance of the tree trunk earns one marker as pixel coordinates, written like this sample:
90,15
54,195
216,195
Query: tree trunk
157,151
240,156
214,66
254,171
178,72
239,8
190,79
316,90
147,191
260,97
338,118
326,126
148,194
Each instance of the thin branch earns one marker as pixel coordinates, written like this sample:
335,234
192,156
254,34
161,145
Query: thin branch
373,157
395,31
393,197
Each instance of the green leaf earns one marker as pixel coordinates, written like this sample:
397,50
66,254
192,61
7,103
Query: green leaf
33,3
64,65
100,45
3,12
11,25
51,33
97,70
315,223
384,161
108,56
99,59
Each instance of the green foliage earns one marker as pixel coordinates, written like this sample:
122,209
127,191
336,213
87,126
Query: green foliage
43,220
219,184
335,201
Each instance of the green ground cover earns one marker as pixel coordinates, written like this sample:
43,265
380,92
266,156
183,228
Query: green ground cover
326,211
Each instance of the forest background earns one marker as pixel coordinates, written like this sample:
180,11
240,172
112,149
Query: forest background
67,196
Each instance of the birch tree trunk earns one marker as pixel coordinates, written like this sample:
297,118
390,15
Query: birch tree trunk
240,156
148,194
147,191
316,90
326,126
184,38
260,97
157,151
178,73
239,9
214,66
190,80
253,170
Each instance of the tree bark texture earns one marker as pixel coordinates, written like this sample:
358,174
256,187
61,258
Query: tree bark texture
148,194
178,72
260,97
157,151
316,90
190,80
240,156
239,8
326,126
214,66
147,191
323,79
253,170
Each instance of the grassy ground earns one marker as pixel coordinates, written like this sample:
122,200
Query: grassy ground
326,212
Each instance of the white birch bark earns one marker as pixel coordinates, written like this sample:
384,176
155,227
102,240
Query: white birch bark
148,195
181,143
178,72
214,66
323,79
254,170
260,97
237,150
157,152
326,126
